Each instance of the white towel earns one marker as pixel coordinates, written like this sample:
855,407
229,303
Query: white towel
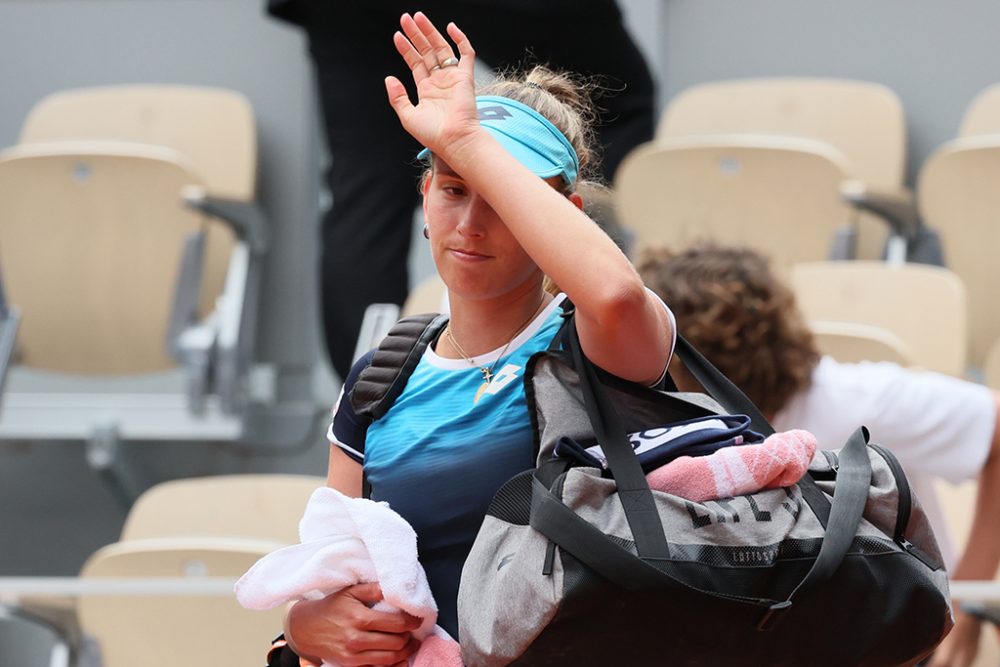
345,541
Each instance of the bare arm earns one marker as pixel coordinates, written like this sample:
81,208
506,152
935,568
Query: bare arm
342,628
623,328
980,558
343,473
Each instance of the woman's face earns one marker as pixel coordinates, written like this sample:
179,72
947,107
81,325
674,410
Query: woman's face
475,253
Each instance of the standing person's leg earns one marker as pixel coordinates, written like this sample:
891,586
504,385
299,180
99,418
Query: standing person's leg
590,39
372,177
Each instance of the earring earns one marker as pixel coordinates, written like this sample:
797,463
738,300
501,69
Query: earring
427,232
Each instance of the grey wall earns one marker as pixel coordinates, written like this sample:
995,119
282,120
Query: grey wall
936,55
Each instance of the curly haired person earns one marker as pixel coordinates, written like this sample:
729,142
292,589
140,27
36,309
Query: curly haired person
733,308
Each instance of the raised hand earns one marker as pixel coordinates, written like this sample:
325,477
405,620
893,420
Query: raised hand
445,112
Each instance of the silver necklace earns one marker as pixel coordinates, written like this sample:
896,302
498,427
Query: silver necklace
487,371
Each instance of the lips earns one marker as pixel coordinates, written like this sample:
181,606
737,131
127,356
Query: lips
468,254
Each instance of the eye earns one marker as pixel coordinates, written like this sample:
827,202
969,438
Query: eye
453,189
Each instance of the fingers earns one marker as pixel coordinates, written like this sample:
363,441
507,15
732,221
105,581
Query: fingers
398,99
410,55
373,620
367,593
366,642
439,46
420,42
468,54
381,657
426,50
393,622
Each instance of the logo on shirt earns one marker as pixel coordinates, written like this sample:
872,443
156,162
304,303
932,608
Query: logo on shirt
501,379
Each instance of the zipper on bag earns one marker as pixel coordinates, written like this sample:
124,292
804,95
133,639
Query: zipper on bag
905,507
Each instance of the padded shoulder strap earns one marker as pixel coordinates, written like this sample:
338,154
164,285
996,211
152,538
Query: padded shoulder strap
383,380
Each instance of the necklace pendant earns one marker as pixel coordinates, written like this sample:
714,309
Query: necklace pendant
487,374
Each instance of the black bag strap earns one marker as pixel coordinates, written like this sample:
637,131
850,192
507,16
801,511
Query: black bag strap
719,387
633,489
383,380
731,397
849,497
552,518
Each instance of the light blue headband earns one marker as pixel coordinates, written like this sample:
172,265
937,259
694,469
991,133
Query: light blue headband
528,136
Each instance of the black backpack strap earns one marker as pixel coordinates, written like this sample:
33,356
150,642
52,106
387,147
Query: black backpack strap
561,341
383,380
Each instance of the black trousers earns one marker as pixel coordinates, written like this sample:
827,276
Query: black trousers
374,174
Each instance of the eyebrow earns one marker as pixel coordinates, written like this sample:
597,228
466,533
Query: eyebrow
443,167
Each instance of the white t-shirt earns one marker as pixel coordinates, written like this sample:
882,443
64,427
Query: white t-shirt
936,425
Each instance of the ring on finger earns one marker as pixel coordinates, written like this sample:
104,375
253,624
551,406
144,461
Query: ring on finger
435,67
449,62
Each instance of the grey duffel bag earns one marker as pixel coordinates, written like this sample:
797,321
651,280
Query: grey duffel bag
581,566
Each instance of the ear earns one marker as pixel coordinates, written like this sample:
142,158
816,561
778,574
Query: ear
577,200
425,186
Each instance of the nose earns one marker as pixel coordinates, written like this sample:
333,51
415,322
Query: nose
472,222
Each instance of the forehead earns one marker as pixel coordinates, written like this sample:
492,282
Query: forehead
439,166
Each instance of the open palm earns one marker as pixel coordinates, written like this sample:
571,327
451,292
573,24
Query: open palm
446,105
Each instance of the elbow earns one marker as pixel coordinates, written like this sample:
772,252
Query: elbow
620,303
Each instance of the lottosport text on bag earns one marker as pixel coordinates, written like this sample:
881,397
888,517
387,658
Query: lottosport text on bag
578,565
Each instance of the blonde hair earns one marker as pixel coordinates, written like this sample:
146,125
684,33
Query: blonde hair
564,100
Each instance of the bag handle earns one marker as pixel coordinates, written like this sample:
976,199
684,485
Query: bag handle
633,489
731,397
720,387
849,497
845,510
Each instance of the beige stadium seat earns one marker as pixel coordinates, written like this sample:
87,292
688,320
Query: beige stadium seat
194,528
778,195
213,127
958,195
852,342
992,366
863,120
925,306
258,506
90,249
137,204
983,114
158,630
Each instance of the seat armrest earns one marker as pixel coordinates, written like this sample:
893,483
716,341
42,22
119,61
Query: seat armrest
10,320
195,351
216,352
187,292
247,219
236,310
897,207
